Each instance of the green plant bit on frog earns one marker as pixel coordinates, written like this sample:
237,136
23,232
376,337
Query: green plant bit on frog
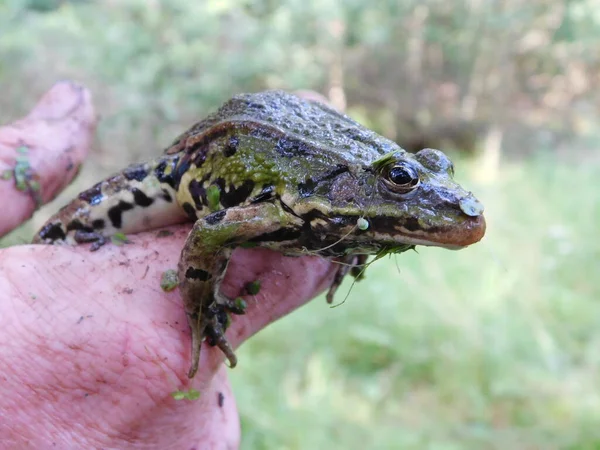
240,303
253,287
213,196
164,233
119,239
169,280
275,171
191,394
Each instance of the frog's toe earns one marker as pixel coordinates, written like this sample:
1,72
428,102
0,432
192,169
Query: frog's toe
341,272
215,336
197,334
351,264
97,239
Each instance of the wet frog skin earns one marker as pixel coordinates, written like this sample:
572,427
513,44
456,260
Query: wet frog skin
273,170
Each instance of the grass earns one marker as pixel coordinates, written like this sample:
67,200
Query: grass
493,347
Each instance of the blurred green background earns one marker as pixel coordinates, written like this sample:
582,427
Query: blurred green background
493,347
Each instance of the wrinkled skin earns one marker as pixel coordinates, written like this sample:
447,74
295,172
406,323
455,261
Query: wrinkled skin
90,347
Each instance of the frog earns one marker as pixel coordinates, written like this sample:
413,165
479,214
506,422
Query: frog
273,170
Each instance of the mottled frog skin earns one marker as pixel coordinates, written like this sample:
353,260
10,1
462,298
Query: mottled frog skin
273,170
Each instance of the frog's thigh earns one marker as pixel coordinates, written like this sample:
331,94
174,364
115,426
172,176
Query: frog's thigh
204,261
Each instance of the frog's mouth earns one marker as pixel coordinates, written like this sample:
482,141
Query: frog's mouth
455,236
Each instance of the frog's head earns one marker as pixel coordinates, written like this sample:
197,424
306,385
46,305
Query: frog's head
405,199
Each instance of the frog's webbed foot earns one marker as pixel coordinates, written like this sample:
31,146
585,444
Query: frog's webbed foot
215,330
207,312
350,264
212,324
84,237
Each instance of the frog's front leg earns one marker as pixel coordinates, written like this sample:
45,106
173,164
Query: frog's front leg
204,261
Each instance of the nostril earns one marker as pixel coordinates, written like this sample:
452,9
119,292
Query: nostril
471,206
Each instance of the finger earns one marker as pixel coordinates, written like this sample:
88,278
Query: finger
101,334
52,141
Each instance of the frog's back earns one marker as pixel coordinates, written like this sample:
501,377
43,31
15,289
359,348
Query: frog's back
255,147
313,126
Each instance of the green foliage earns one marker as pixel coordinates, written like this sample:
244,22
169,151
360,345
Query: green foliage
155,67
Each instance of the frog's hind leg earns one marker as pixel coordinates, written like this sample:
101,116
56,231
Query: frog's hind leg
204,261
142,197
350,264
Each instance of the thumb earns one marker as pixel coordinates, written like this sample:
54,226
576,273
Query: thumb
53,140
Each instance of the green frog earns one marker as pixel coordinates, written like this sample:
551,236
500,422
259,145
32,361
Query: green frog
272,170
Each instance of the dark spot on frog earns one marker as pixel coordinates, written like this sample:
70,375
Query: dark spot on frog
384,224
265,194
235,196
77,225
215,217
220,399
115,214
190,211
182,166
136,172
411,224
310,185
166,196
198,194
261,133
160,174
140,198
291,147
197,274
231,146
314,214
93,195
283,234
127,291
53,231
199,156
98,224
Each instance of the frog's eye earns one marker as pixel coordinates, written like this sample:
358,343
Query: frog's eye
402,178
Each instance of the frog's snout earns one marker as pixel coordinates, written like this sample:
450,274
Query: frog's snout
473,229
472,232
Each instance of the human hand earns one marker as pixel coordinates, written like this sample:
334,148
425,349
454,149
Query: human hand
91,348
